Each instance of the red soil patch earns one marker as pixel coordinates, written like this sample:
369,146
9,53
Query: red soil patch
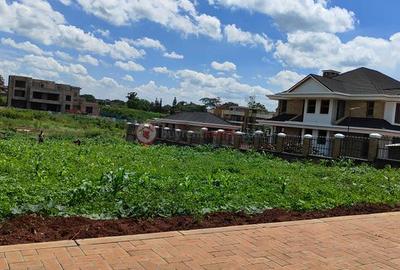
33,228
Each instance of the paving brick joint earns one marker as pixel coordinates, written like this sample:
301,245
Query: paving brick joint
353,242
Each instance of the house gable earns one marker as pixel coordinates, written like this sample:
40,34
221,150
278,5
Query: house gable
309,86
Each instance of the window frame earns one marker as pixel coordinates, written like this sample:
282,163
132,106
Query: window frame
314,107
397,114
370,111
327,106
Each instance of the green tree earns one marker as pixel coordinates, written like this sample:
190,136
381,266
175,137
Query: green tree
2,82
89,98
211,103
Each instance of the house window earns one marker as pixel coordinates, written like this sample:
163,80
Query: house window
37,95
341,108
89,110
20,84
322,137
19,93
311,106
370,108
397,119
67,107
283,106
325,106
68,98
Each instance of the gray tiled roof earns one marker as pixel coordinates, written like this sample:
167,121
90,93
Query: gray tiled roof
368,123
361,81
200,117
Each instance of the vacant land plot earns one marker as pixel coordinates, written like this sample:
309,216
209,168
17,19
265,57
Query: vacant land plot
109,178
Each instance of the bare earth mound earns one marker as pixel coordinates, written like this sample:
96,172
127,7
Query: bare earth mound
33,228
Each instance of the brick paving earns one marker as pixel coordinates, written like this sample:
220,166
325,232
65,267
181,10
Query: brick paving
353,242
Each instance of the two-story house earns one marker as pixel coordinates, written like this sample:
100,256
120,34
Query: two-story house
355,103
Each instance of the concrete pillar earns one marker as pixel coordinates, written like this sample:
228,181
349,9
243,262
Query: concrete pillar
189,138
203,135
130,132
258,135
337,145
165,133
177,135
307,142
373,146
218,137
280,141
158,132
237,139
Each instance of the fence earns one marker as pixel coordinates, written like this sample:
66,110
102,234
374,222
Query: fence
371,148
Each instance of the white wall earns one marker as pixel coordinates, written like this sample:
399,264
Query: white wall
390,112
311,86
317,117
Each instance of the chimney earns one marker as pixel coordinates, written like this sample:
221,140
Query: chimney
329,73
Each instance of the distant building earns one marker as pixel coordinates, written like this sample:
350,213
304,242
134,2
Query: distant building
195,121
29,93
244,117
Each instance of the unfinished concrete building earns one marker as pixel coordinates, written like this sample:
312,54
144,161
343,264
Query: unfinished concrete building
29,93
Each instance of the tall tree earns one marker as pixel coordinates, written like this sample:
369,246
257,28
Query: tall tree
2,82
211,103
174,102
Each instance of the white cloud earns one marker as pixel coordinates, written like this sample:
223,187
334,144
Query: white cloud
66,2
285,79
234,34
63,56
129,66
50,64
38,21
88,59
327,51
128,78
147,43
178,15
104,88
24,46
8,67
225,66
173,55
194,85
293,15
103,33
162,70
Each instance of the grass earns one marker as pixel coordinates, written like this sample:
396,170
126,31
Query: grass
109,178
128,114
56,125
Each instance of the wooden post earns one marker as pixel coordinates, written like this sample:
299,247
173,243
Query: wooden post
307,142
337,145
280,142
373,146
257,139
203,135
237,139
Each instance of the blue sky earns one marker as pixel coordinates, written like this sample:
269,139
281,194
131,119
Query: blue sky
192,49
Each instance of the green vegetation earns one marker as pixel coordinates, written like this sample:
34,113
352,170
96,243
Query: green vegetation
109,178
129,114
66,126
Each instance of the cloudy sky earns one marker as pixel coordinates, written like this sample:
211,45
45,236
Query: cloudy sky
195,48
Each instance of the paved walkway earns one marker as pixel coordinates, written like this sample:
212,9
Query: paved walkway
354,242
